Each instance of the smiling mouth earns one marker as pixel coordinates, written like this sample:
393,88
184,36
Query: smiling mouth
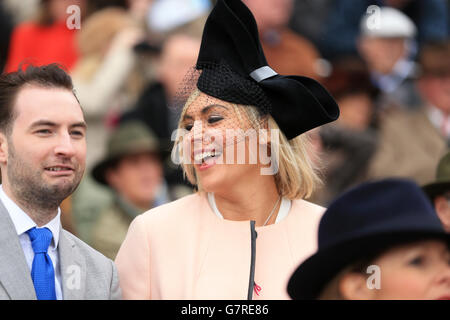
59,169
202,157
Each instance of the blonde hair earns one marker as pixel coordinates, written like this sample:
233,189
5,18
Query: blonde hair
297,176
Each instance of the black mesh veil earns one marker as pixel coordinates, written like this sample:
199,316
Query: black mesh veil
240,114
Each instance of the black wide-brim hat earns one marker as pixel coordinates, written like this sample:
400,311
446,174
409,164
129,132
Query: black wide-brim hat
364,221
234,69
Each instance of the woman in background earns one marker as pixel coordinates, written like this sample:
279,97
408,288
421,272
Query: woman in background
380,240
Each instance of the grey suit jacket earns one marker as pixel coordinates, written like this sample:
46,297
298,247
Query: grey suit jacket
85,273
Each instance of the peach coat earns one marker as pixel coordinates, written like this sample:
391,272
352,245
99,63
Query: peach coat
182,250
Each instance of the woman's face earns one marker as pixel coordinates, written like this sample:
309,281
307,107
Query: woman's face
418,271
218,146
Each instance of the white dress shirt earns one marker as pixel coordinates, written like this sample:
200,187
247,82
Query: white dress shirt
23,223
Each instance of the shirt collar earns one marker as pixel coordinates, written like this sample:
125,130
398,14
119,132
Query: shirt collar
402,70
22,221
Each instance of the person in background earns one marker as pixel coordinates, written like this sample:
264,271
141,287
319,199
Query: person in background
107,79
391,247
139,10
177,56
177,25
104,76
434,85
42,161
22,11
389,50
286,51
46,39
309,18
341,27
348,144
411,141
132,168
439,191
155,106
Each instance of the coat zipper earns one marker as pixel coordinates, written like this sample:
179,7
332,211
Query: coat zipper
251,283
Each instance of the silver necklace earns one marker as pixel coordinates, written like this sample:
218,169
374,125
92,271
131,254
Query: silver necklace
273,210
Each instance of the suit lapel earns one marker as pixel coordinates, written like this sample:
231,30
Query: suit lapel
73,268
15,276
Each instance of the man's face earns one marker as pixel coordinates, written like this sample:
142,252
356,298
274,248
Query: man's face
381,54
137,178
43,157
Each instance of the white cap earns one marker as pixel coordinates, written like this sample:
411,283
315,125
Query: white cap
386,22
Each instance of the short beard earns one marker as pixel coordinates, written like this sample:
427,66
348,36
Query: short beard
30,190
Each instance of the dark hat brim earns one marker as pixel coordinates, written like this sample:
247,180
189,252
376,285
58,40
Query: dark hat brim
311,277
99,170
434,189
299,104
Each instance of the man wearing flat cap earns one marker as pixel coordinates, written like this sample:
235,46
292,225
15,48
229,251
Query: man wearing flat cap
412,141
389,50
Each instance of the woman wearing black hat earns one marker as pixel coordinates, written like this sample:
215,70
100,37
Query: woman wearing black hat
239,141
380,240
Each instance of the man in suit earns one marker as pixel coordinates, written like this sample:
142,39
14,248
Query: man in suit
42,160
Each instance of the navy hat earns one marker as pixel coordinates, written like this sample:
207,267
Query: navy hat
234,69
371,217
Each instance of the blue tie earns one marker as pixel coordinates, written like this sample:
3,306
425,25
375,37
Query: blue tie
42,271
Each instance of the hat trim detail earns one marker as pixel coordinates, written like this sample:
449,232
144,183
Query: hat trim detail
263,73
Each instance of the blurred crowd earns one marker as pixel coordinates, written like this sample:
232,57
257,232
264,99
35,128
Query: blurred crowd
386,62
